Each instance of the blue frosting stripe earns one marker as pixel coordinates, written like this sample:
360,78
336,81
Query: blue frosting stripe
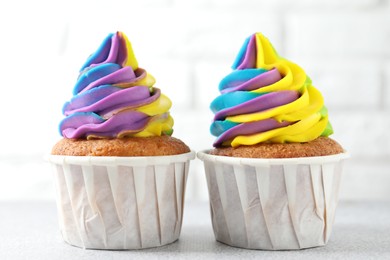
101,54
219,127
93,74
241,53
232,99
80,118
238,77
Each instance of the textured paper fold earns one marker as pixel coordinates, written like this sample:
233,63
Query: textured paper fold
273,204
120,203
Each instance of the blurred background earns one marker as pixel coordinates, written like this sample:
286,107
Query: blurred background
344,46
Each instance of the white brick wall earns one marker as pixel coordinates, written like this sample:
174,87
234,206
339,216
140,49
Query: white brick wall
386,85
364,134
358,34
346,83
189,46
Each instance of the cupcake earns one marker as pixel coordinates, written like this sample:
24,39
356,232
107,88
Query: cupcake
120,176
273,175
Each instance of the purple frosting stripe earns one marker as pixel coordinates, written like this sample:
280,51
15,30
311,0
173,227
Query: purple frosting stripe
249,128
264,79
259,104
128,120
109,112
129,97
88,98
80,119
139,75
122,52
107,93
126,132
113,53
112,50
249,60
119,76
100,55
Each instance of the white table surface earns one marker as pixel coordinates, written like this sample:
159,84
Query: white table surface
29,230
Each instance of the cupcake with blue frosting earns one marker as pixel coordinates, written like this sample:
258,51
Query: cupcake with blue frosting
273,174
120,175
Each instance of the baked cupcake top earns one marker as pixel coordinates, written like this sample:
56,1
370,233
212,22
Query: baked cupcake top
114,98
267,99
320,146
132,146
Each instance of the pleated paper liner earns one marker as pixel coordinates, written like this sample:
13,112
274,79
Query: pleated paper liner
120,202
273,204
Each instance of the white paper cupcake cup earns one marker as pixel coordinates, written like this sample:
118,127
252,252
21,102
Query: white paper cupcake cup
120,202
273,204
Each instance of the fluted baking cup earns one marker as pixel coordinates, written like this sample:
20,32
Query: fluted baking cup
273,204
120,202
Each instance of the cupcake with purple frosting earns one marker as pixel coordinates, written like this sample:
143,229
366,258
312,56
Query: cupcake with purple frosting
273,174
120,175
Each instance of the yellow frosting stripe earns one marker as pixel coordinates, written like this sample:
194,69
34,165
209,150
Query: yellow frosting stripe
267,58
304,136
283,84
160,106
316,102
307,115
266,54
299,75
131,60
114,98
300,103
156,127
148,81
293,77
301,131
302,125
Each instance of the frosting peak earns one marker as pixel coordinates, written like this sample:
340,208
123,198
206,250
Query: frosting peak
267,99
114,98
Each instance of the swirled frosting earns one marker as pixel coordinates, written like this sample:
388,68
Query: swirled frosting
267,98
114,98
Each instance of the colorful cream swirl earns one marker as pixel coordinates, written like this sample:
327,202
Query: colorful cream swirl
114,98
267,99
